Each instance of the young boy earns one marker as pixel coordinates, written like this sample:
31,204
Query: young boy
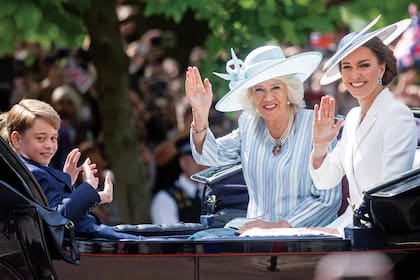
32,127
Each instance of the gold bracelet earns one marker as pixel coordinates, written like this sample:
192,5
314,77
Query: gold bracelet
198,131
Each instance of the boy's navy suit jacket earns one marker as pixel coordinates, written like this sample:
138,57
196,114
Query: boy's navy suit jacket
72,203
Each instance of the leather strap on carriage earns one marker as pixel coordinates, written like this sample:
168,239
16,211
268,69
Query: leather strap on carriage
73,256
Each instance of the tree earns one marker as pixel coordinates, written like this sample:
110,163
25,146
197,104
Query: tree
120,138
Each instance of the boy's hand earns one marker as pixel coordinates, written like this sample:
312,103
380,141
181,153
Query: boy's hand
89,171
70,166
107,194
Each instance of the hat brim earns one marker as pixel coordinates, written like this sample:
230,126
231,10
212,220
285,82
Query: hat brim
359,34
302,65
386,34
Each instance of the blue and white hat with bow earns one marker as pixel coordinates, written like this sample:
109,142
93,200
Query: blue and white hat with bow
262,64
353,40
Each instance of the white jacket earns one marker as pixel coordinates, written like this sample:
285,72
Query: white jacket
381,147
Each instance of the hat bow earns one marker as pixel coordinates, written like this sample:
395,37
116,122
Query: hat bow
235,70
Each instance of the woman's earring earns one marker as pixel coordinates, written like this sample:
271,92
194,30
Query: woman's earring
379,80
288,102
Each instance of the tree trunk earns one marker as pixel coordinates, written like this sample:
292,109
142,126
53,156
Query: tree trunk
120,139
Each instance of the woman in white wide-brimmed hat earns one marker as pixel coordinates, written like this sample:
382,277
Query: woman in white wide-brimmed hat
273,140
379,136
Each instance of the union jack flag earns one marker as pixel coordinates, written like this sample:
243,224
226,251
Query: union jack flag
407,49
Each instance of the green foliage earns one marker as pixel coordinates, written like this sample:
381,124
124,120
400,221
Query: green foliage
169,8
44,21
238,23
391,11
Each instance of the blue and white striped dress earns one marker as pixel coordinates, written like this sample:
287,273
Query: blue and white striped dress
280,187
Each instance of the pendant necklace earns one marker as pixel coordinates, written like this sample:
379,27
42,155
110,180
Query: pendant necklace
278,142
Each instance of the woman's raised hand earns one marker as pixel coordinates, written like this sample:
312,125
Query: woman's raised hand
324,128
199,94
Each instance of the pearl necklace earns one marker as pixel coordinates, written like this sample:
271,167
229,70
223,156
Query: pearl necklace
278,142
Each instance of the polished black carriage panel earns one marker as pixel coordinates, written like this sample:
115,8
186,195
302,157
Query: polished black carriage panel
126,267
232,258
15,173
23,250
223,245
261,258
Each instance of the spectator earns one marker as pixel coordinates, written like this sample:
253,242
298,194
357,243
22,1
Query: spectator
182,201
68,104
108,212
407,89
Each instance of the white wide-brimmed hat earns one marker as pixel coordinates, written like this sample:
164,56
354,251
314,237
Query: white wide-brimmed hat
262,64
353,40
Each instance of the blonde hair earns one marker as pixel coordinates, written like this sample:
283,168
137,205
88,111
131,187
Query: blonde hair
22,116
295,94
3,126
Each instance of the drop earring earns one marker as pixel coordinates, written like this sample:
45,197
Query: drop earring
379,80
